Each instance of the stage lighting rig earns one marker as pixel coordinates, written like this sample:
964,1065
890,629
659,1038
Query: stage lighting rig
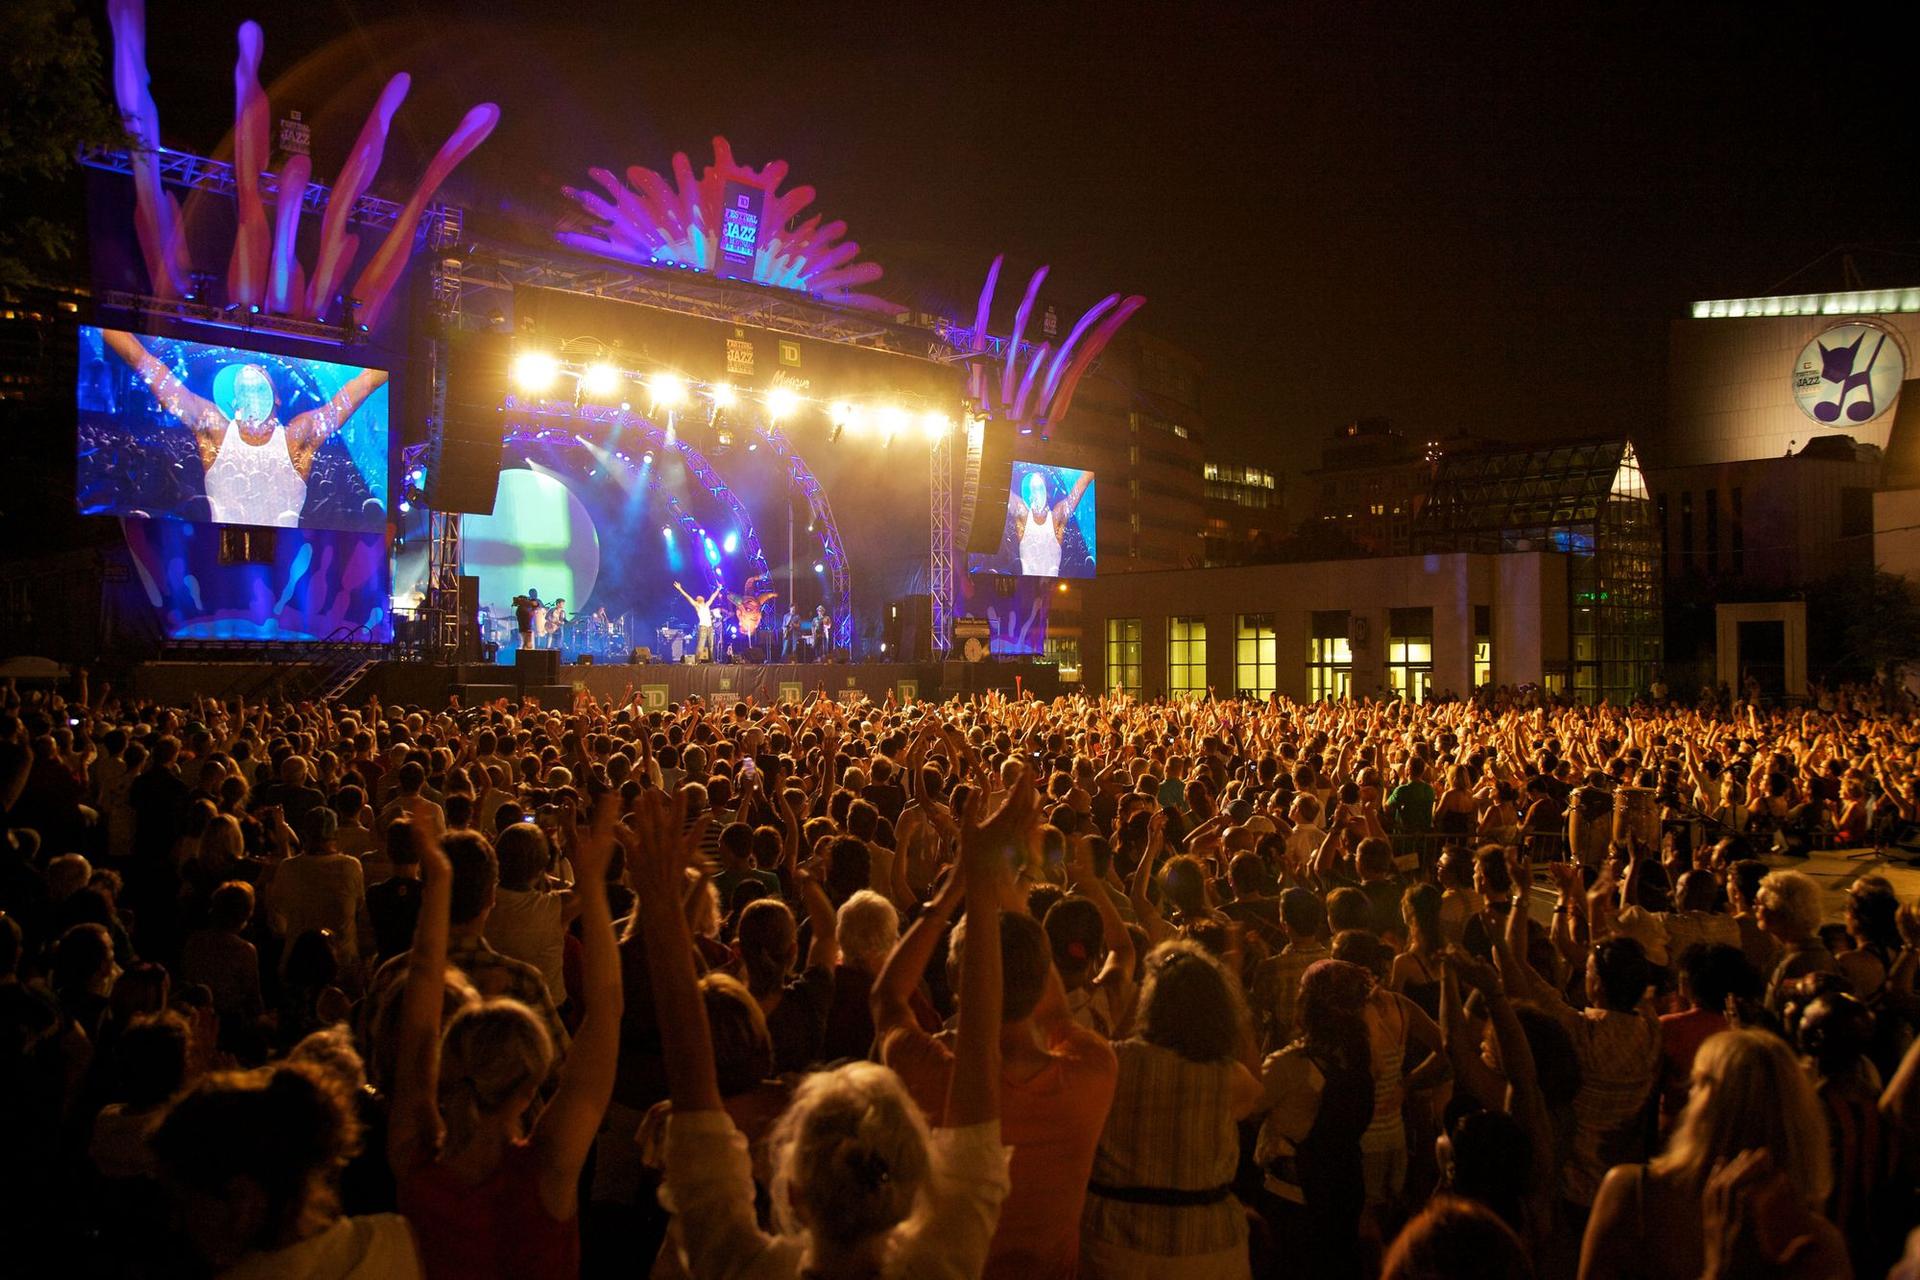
669,390
782,402
600,380
535,371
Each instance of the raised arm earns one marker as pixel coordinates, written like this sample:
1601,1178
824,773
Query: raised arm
195,411
1072,500
663,854
988,846
683,594
413,1126
892,994
311,429
564,1133
823,952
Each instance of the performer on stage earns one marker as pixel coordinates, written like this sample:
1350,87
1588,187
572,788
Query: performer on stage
1039,527
556,623
256,466
790,637
822,633
703,611
750,606
526,615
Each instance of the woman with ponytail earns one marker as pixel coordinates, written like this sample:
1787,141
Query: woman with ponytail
796,1006
861,1188
489,1179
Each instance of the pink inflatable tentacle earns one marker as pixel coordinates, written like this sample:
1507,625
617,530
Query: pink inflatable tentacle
784,206
1079,331
330,266
284,276
859,273
985,308
1019,330
1063,399
156,216
247,265
377,281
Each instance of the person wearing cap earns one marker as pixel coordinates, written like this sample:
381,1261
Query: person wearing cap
320,888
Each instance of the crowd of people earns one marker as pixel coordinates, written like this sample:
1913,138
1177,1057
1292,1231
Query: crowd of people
1092,987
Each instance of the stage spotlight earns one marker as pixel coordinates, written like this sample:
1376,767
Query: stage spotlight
818,567
405,506
418,476
838,412
600,379
781,402
723,395
892,420
647,460
669,390
1062,588
535,371
666,531
730,543
626,406
935,424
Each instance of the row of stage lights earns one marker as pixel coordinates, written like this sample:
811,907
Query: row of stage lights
538,372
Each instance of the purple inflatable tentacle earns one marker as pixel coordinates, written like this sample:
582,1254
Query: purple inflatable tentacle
247,265
156,216
285,279
1019,331
985,309
1026,383
1094,345
1067,348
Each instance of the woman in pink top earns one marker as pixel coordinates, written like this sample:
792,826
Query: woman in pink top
489,1182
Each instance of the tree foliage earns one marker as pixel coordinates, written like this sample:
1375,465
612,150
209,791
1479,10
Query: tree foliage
1862,623
53,101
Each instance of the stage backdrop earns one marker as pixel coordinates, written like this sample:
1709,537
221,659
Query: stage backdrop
879,493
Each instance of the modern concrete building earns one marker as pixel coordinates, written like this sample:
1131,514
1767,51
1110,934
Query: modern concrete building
1403,625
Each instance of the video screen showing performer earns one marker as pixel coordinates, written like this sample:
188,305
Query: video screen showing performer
1049,525
182,429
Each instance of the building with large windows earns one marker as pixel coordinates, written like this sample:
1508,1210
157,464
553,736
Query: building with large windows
1410,626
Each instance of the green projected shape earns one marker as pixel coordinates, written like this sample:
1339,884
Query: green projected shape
539,537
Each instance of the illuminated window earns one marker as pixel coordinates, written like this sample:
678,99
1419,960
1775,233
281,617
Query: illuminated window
1255,657
1329,656
1410,652
1482,645
1123,655
1187,657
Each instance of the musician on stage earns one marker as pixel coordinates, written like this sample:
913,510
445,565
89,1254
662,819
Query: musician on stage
556,622
703,611
822,633
526,610
750,607
790,637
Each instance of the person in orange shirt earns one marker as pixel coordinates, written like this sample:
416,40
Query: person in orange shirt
1056,1085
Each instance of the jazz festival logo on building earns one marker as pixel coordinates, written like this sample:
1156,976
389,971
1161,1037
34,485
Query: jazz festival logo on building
1849,374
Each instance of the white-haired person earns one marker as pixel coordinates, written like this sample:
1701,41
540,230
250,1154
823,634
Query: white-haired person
868,926
489,1180
1788,910
1738,1190
861,1187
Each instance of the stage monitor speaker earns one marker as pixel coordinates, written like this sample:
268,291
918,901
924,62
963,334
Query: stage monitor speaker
464,476
469,619
909,629
537,666
989,521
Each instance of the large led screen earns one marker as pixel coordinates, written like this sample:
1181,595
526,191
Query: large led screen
172,428
1049,525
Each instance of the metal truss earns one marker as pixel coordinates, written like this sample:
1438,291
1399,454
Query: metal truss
228,317
940,570
444,553
199,173
498,268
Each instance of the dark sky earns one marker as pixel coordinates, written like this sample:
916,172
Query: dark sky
1466,224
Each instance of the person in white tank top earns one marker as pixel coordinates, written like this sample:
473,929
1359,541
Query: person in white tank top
256,466
1039,526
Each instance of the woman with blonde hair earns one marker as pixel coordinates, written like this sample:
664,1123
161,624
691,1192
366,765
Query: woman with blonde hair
1750,1103
860,1186
489,1180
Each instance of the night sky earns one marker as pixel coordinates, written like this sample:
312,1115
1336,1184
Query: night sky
1464,224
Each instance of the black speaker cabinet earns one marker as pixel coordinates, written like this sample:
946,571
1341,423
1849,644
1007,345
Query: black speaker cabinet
537,666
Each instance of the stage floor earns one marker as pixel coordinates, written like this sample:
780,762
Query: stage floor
658,684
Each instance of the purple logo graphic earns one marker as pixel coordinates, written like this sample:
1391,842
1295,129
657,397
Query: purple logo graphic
1849,374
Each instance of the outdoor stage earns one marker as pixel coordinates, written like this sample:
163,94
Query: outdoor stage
657,684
